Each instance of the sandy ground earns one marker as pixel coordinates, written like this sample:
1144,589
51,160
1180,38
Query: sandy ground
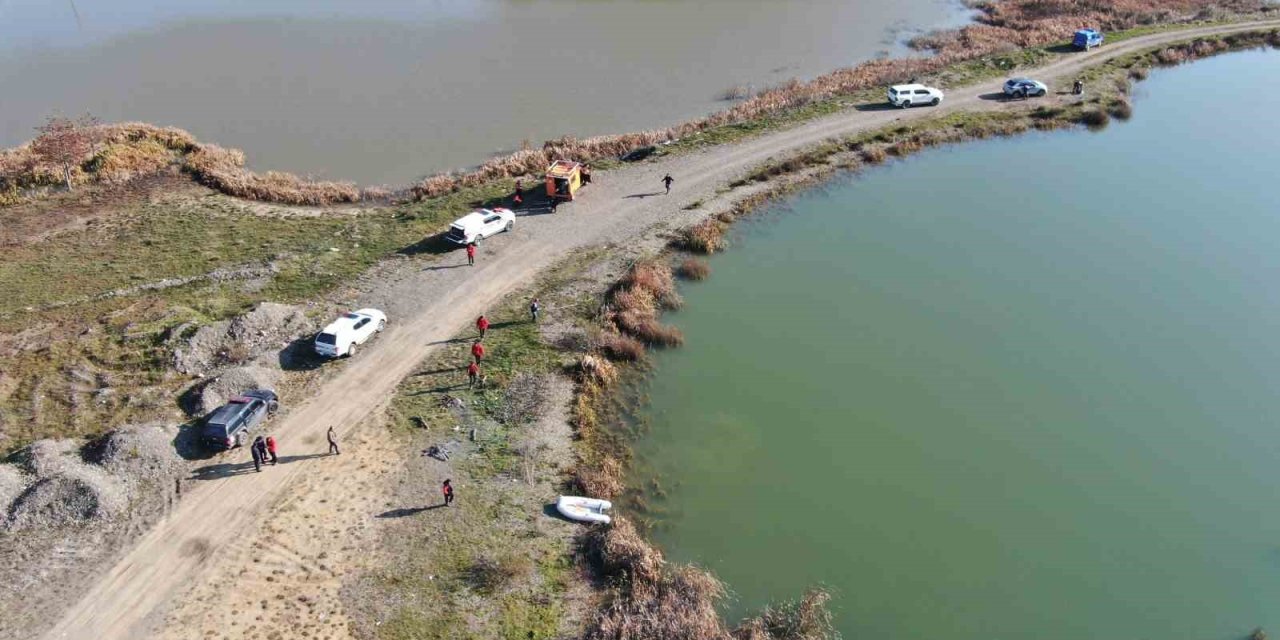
186,551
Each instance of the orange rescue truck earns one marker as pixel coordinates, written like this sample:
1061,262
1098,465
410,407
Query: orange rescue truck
564,178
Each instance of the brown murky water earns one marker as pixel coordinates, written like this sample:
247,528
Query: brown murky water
384,91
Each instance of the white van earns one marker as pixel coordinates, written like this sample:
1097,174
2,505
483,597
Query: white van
906,95
342,335
481,224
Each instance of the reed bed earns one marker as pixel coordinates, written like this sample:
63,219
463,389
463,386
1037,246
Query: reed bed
223,169
705,237
652,599
639,298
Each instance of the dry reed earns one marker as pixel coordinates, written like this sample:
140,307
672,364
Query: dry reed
705,237
693,269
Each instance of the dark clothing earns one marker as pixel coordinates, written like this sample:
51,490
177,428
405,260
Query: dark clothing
333,442
447,489
473,374
666,181
257,459
534,308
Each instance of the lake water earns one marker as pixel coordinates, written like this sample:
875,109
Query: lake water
1012,389
384,91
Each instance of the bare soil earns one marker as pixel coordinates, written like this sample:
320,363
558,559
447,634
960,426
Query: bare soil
172,566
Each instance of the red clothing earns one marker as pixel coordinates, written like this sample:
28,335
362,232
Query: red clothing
477,350
471,251
271,444
482,323
474,369
447,489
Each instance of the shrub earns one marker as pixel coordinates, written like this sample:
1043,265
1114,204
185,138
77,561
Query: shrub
1095,118
657,279
705,237
602,480
693,269
1121,110
873,154
1139,73
597,370
616,346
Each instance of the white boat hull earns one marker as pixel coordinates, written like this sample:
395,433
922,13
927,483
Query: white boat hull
583,509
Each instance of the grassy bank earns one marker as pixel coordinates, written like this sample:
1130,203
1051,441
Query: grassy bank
92,313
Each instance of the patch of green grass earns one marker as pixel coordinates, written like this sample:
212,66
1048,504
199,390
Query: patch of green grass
522,619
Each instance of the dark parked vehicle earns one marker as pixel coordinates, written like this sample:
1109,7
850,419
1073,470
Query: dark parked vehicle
1086,39
228,426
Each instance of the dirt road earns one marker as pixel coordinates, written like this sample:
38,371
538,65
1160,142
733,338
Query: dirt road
131,598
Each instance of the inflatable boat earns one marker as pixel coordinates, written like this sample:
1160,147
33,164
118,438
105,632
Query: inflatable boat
584,509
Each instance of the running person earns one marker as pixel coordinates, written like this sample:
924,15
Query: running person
666,182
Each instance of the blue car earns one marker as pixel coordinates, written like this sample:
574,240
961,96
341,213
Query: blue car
1087,39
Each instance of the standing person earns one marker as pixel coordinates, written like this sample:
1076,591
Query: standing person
447,490
586,174
534,308
1078,87
333,441
271,449
260,449
477,351
666,182
518,199
471,254
473,375
482,325
257,457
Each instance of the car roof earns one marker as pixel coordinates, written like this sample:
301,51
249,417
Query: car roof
1086,31
349,319
903,87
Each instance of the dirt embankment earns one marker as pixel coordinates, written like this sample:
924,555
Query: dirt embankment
432,298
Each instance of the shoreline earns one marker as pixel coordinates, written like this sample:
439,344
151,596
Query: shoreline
874,146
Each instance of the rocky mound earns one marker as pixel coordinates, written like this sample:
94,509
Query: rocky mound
232,382
140,454
266,329
12,483
66,491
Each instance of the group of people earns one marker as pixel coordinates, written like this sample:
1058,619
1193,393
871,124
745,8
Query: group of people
474,374
264,450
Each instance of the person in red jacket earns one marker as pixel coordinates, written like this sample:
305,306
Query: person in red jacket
477,351
482,325
447,490
471,254
271,449
473,374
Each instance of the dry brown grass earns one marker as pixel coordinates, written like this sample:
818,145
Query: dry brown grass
616,346
1120,109
636,301
601,480
706,237
223,169
596,369
693,269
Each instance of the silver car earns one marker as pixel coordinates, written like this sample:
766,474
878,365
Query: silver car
1025,87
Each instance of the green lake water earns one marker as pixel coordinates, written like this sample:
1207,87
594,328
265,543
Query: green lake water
1012,389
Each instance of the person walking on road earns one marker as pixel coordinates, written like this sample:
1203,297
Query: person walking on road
447,490
333,441
482,325
666,182
473,375
471,254
271,449
534,307
477,351
257,457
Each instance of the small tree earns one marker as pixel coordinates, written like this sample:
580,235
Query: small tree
65,142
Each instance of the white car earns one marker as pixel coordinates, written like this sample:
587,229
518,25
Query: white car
342,335
906,95
480,224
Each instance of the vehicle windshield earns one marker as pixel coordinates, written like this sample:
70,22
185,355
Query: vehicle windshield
326,338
